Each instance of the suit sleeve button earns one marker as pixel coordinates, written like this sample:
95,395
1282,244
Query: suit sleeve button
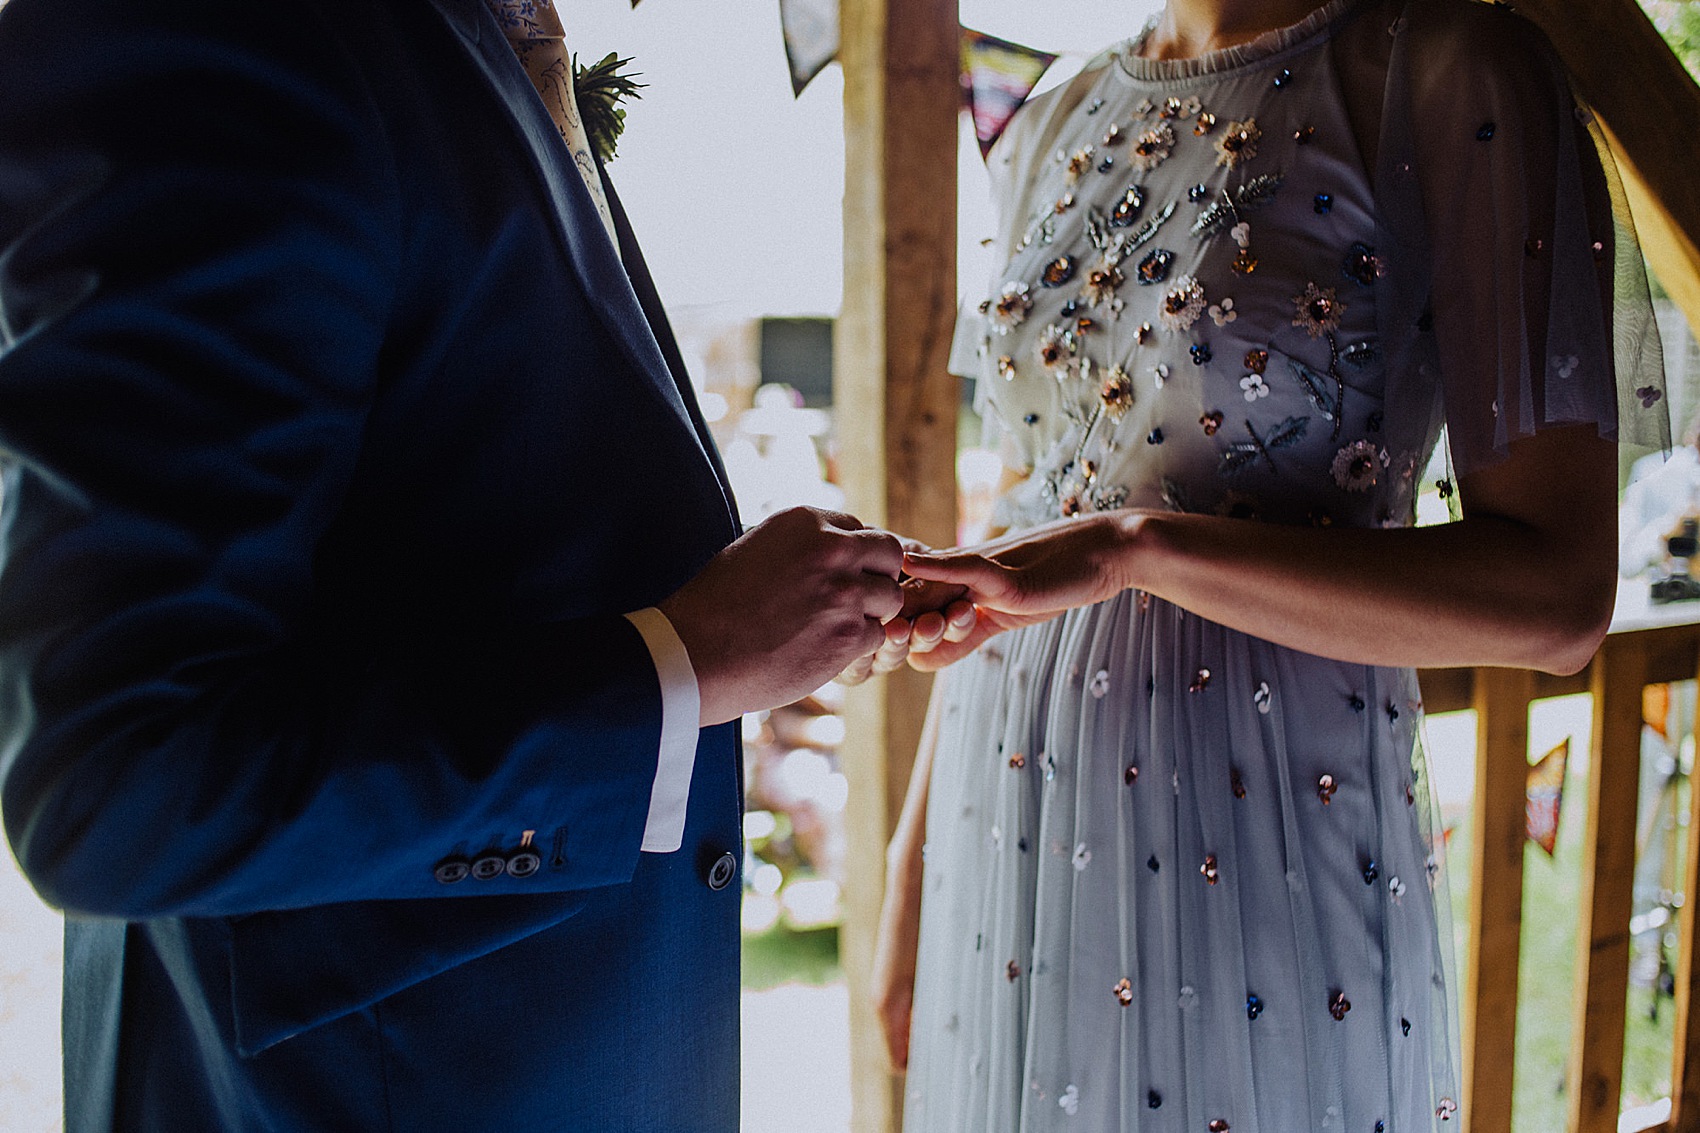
720,874
524,863
489,866
450,870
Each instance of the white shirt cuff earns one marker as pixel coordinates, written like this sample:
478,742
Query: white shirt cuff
681,707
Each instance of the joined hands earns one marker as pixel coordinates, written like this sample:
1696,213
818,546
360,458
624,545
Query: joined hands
934,614
955,599
808,594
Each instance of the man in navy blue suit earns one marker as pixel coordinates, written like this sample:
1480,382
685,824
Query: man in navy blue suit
374,613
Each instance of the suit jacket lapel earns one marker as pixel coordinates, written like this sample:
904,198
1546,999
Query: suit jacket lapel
598,267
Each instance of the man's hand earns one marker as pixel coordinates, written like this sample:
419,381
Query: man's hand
774,616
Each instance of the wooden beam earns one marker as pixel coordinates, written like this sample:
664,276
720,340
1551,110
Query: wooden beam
1650,108
1685,1046
1608,876
895,409
1501,700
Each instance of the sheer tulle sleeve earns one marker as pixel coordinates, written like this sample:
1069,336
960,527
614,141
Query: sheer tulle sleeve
1518,299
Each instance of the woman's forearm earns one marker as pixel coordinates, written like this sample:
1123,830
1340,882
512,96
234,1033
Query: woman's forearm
910,832
1484,591
1526,579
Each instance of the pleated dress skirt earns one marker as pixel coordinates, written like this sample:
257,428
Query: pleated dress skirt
1179,879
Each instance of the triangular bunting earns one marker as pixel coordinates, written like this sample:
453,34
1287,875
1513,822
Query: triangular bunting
997,76
1544,797
810,28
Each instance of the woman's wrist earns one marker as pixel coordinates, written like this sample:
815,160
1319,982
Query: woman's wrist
1137,535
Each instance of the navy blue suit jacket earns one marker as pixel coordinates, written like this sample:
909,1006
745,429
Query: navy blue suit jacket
335,442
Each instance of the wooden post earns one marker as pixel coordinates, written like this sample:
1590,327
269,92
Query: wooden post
1649,105
1608,876
1501,701
895,409
1685,1046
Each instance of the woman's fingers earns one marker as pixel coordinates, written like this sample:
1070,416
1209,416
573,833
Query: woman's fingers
905,637
921,595
893,651
949,626
963,567
947,653
959,619
929,631
857,671
898,631
985,579
895,1014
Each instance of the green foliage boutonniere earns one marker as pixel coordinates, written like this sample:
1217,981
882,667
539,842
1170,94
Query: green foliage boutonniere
600,88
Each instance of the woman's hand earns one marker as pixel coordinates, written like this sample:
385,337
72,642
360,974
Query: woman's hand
933,613
1028,578
893,987
893,990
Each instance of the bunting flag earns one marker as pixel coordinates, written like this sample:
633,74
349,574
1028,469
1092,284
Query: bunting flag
1544,797
810,28
997,76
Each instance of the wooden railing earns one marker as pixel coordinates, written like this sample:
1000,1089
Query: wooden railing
1646,645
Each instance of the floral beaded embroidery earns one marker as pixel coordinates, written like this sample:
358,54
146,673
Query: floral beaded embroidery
1183,304
1116,393
1238,143
1357,466
1009,309
1085,426
1152,147
1078,163
1318,310
1099,290
1056,348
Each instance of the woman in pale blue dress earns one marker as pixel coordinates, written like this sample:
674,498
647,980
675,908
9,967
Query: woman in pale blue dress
1181,870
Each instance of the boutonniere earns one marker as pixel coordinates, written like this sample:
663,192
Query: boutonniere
600,88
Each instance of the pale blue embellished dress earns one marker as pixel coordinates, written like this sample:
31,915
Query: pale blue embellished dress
1178,878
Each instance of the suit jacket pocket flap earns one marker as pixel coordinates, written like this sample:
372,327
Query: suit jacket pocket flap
294,970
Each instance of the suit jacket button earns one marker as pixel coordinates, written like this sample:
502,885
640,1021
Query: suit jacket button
489,866
720,874
450,870
524,863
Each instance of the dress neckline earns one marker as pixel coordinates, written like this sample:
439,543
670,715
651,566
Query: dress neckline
1264,49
